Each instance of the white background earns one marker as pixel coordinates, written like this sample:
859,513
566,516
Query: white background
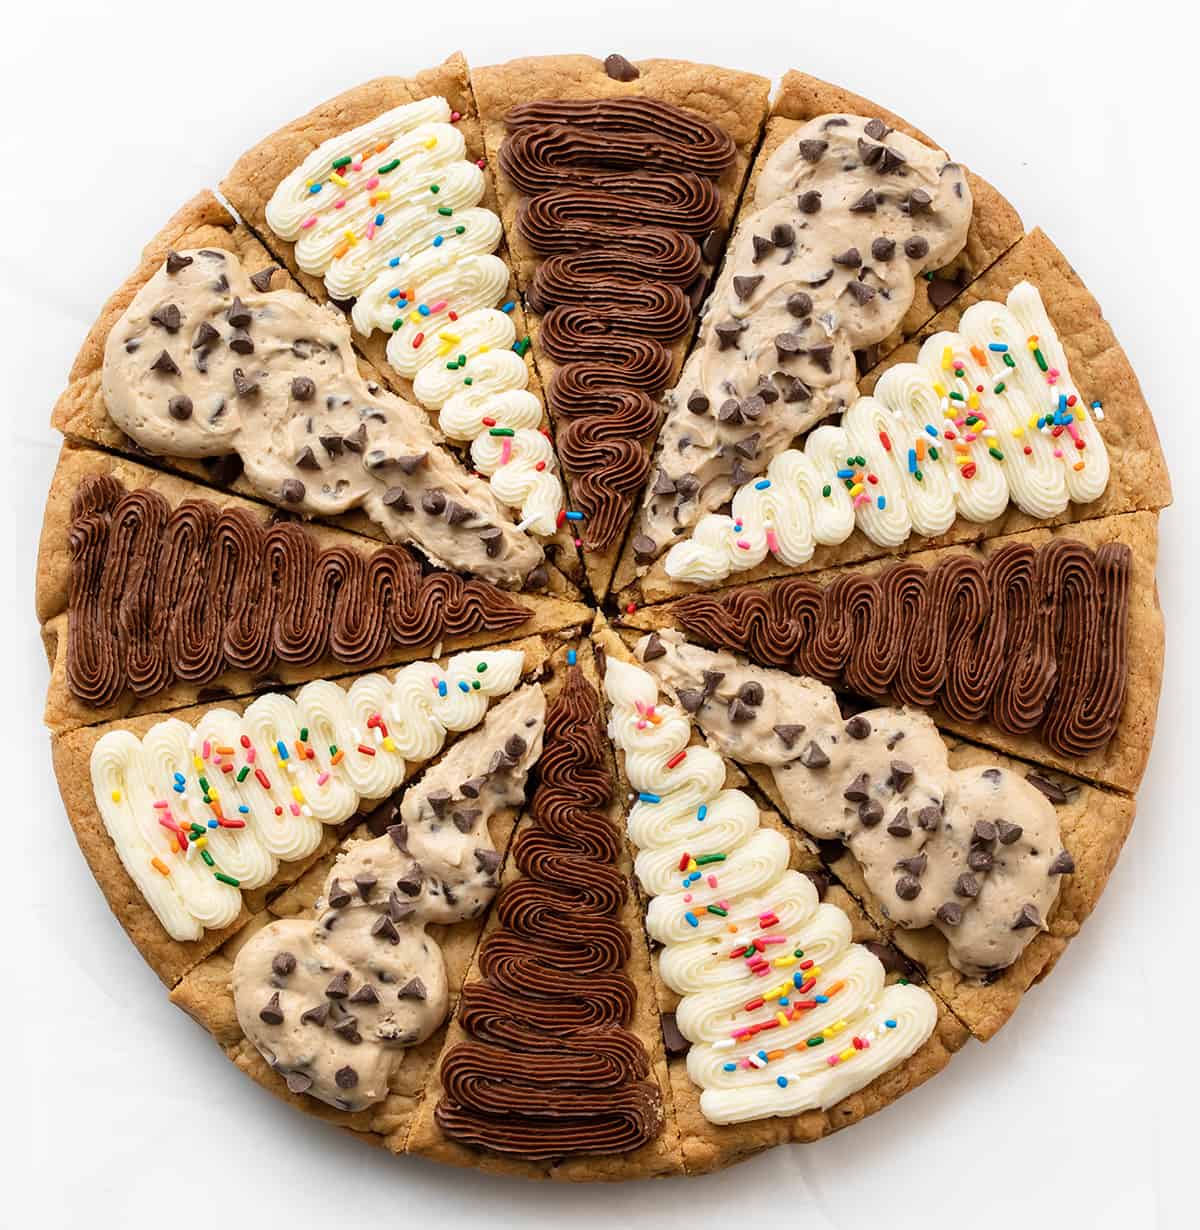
118,1111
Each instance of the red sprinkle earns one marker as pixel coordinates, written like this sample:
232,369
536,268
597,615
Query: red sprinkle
366,751
678,758
684,859
263,780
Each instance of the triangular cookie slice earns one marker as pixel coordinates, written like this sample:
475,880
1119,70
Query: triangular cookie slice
554,1066
617,185
1023,642
982,865
953,440
785,1017
293,418
190,821
155,593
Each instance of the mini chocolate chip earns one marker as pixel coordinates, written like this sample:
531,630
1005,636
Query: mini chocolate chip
1051,789
472,786
383,928
166,317
950,913
175,262
1027,916
243,385
457,514
712,246
858,727
941,291
820,880
356,441
345,1078
654,648
813,757
892,961
744,286
515,746
783,235
809,202
870,813
271,1011
240,342
304,389
1063,864
850,259
644,549
984,832
799,304
929,818
261,281
239,314
751,692
901,775
165,364
180,407
662,483
307,459
465,821
859,789
900,825
788,734
298,1082
487,860
438,800
865,204
915,864
366,994
205,336
434,502
1008,832
620,69
697,403
883,249
414,988
788,344
691,699
292,490
316,1015
537,578
339,986
347,1027
674,1043
908,888
740,712
966,885
364,884
763,247
860,292
919,201
980,859
283,964
811,149
727,332
916,247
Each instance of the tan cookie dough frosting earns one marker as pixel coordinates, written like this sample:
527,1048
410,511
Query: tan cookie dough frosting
975,852
847,214
388,213
202,364
987,415
331,1003
784,1013
198,813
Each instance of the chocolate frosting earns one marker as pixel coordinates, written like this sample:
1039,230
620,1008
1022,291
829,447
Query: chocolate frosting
1033,639
619,194
551,1068
160,595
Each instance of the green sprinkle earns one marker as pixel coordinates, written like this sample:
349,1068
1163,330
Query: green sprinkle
902,981
458,230
933,452
303,734
799,952
220,875
827,491
999,387
862,461
338,163
814,1041
462,360
387,166
468,380
435,189
243,773
956,396
333,749
716,909
709,858
918,475
501,431
398,323
445,211
1041,360
1009,361
475,684
208,858
995,452
481,667
204,784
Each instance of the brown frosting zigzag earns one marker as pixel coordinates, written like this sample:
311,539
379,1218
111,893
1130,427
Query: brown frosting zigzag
160,594
551,1068
1033,639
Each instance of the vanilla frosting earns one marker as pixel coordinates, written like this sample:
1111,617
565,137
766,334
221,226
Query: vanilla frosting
785,1014
987,415
202,364
333,1002
975,852
846,214
388,214
199,812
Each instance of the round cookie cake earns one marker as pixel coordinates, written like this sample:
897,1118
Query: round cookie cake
590,609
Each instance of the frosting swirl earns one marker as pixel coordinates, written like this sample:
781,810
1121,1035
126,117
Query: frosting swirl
161,594
550,1068
1033,638
618,193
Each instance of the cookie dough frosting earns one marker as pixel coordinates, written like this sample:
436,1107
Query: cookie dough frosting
974,852
388,214
550,1068
332,1002
1030,639
162,594
202,363
784,1013
198,812
986,416
847,213
620,200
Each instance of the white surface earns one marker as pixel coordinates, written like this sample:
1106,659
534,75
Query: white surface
120,1112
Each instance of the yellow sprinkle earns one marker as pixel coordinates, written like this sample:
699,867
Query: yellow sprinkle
338,179
297,794
692,864
389,744
947,357
1018,432
431,143
1032,341
848,1053
414,317
781,1017
452,338
784,962
197,763
963,459
383,195
199,842
484,349
857,489
351,238
1079,415
116,796
973,401
939,388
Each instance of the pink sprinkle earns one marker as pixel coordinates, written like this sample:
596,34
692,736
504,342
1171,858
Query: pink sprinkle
356,166
641,724
438,306
373,182
773,939
712,881
723,903
311,220
340,204
455,117
969,436
371,229
772,542
743,544
295,809
833,1061
741,1033
323,778
250,755
506,451
479,163
1058,452
687,896
205,748
161,804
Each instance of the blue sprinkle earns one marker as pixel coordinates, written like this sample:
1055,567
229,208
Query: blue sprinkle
244,810
313,189
797,980
179,777
890,1023
178,787
572,657
731,1067
912,460
781,1081
881,503
441,687
393,262
438,241
845,474
212,824
393,294
762,484
931,429
1062,401
646,797
692,919
401,303
424,309
462,686
763,1056
784,1001
507,307
702,812
1096,405
821,999
574,516
281,747
999,347
379,219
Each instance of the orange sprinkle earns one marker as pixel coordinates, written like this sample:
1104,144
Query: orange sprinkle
160,866
837,986
341,250
979,356
337,757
